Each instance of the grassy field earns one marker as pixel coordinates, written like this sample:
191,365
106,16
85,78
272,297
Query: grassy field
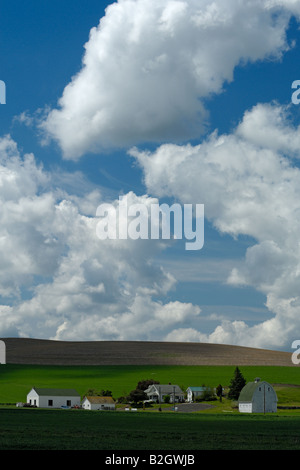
17,380
220,427
36,429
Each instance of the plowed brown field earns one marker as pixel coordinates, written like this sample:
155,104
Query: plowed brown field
47,352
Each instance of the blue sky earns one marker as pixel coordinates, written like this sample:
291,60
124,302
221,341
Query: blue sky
204,88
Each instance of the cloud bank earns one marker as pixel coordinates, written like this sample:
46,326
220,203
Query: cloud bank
147,71
249,185
150,64
58,280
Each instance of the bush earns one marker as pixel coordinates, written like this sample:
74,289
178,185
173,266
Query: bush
137,395
122,400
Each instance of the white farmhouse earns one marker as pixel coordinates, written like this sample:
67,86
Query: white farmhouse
98,403
157,392
258,397
53,397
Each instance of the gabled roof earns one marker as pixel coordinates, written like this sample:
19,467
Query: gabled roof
56,392
100,400
164,389
249,389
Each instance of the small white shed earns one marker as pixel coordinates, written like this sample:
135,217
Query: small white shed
98,403
53,397
258,397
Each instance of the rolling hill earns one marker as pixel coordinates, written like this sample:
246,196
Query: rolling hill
48,352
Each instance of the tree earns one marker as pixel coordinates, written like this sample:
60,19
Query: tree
167,399
236,384
144,384
206,395
219,391
92,392
137,395
106,393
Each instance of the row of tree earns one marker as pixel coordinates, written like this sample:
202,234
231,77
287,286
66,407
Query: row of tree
138,394
236,384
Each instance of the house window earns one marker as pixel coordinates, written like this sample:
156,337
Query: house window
259,389
68,402
50,402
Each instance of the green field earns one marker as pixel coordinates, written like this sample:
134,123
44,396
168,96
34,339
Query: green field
220,427
17,380
36,429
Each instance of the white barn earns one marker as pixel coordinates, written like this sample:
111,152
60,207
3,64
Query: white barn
98,403
53,397
258,397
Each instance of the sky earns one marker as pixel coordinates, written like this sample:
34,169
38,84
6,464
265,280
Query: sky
161,101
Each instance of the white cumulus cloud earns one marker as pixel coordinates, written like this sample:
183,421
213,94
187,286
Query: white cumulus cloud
58,279
149,64
249,185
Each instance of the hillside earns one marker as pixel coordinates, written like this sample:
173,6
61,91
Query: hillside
47,352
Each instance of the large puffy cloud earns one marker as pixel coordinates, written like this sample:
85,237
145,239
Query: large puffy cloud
150,63
250,186
58,279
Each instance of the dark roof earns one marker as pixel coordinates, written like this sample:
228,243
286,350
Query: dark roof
163,389
56,392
